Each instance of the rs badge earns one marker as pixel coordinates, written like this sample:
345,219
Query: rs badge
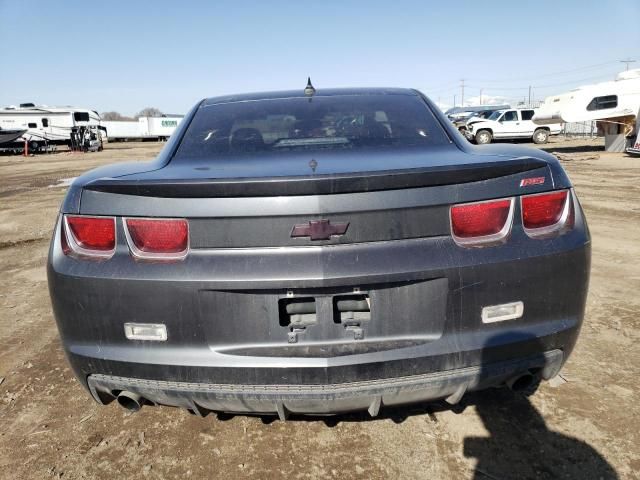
527,182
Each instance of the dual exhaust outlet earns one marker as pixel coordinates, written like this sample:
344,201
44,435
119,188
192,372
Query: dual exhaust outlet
130,401
521,383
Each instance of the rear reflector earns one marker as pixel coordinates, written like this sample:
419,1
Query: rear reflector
90,236
545,212
481,223
500,313
157,238
146,331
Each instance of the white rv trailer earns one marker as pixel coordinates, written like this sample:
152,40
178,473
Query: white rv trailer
47,125
613,105
158,128
634,149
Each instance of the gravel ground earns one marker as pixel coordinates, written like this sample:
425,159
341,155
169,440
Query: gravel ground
584,425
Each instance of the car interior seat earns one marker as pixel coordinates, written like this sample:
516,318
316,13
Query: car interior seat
246,139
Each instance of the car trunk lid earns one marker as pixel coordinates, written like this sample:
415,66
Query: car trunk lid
316,173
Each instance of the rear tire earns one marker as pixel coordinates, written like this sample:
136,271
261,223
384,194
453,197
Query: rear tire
483,137
540,136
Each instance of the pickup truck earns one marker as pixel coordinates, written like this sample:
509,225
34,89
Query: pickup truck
509,124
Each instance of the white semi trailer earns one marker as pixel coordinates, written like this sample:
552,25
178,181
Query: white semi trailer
155,128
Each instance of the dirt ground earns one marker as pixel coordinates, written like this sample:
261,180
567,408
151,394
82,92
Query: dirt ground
584,425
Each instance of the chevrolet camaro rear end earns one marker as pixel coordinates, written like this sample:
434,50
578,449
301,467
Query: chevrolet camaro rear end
318,252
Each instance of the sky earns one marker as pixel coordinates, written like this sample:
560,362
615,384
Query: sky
125,56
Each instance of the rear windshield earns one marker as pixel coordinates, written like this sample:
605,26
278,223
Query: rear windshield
331,122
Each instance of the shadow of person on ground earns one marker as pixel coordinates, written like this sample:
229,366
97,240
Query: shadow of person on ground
521,446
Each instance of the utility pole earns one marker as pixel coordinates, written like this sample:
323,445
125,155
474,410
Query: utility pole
627,62
454,100
529,95
481,96
462,92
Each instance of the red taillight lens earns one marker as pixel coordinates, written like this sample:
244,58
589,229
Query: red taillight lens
543,210
484,219
167,238
91,235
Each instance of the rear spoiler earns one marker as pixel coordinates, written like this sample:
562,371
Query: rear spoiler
316,184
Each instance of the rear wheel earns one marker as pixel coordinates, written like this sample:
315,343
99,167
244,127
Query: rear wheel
483,137
540,136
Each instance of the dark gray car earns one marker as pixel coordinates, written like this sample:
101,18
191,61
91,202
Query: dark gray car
318,252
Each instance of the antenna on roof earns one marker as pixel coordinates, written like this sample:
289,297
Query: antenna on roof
309,90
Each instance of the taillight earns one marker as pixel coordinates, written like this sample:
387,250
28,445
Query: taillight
152,238
89,236
482,223
545,213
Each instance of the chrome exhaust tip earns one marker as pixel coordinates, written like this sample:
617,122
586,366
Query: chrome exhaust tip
131,401
520,383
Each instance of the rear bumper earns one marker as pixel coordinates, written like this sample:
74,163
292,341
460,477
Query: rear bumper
228,350
326,398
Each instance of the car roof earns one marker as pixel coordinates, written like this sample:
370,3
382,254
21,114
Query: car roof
518,108
477,108
514,108
320,92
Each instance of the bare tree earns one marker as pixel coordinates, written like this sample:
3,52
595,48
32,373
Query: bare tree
149,112
114,116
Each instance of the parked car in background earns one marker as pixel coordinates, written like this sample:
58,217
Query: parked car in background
510,124
460,116
461,119
318,252
475,116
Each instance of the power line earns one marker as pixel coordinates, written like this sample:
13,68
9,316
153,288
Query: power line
627,62
448,88
550,85
599,77
452,86
546,75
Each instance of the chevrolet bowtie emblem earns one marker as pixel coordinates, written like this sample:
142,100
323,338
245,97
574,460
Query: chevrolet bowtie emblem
319,229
